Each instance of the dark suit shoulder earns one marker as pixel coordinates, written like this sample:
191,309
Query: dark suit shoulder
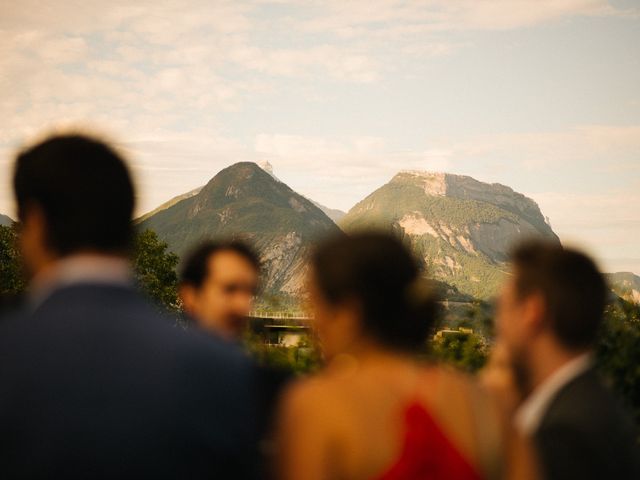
97,372
581,399
586,433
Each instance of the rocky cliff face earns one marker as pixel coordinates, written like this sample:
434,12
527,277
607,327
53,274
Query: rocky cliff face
468,188
244,201
461,228
626,285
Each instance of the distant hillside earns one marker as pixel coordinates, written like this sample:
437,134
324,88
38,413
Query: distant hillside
626,285
5,220
461,228
333,213
245,201
169,203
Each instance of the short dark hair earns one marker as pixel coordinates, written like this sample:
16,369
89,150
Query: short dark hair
84,190
195,266
377,271
574,291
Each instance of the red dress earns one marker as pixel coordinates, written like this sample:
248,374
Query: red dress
427,454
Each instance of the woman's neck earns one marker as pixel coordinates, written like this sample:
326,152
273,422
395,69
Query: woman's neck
367,353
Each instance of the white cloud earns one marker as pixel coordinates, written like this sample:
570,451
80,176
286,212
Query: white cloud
397,17
605,224
317,60
613,147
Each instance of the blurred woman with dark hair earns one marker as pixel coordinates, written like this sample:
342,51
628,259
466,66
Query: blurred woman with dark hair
376,412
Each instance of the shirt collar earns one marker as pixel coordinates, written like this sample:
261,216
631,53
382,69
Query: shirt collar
80,269
531,412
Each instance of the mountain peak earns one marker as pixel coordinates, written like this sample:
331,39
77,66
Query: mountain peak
237,180
463,187
462,228
267,167
434,183
451,184
245,201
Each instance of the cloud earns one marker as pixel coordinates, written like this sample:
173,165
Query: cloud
395,17
341,172
605,224
605,147
317,60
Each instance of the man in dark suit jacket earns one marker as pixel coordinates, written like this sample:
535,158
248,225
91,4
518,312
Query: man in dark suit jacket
549,315
94,382
218,284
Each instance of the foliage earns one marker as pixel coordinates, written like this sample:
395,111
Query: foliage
155,269
467,351
302,359
11,277
618,352
476,315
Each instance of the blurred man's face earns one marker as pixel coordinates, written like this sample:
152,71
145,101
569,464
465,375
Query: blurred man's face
517,323
509,315
223,303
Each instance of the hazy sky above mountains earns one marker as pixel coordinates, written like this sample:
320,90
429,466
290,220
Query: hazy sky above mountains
540,95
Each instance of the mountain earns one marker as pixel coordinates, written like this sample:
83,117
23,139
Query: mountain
169,203
461,228
267,167
625,285
5,220
333,213
244,201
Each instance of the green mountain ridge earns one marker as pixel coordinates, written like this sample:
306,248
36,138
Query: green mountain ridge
168,204
244,201
462,229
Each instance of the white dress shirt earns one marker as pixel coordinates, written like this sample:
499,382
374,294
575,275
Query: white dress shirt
532,411
80,268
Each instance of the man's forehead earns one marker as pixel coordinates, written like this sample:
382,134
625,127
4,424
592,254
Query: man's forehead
227,263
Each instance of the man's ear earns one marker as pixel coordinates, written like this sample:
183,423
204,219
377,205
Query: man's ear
34,238
534,312
34,222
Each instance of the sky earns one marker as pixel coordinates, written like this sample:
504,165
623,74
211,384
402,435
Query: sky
539,95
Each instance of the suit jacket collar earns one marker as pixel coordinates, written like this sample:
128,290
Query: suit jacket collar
78,270
531,412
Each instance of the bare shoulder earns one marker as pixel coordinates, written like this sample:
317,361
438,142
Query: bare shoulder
443,380
315,394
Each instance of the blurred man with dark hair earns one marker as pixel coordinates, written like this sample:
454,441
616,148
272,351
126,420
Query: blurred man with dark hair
218,284
549,315
94,383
